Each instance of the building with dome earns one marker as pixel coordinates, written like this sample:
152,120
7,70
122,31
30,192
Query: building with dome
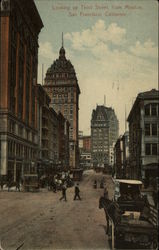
61,84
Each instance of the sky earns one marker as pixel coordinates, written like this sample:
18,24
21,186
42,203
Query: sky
113,46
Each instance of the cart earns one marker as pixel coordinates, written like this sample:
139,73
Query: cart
133,221
31,182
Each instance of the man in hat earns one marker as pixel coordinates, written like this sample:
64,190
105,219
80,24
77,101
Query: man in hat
77,191
63,193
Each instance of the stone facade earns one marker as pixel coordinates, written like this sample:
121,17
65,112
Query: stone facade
62,86
48,133
104,132
20,25
144,132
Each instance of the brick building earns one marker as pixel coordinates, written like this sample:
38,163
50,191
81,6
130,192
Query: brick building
20,26
87,143
62,86
85,150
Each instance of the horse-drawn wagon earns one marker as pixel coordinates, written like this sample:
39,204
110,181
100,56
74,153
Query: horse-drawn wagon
132,223
31,182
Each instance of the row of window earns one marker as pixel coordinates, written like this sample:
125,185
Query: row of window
21,131
61,90
100,125
62,75
20,150
63,94
100,150
99,136
64,100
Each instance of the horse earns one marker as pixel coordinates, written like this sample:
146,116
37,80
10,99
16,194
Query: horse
111,211
13,184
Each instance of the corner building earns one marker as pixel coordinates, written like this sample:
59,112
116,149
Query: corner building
144,133
20,25
61,84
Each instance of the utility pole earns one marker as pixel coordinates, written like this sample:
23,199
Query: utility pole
42,74
125,119
104,100
62,40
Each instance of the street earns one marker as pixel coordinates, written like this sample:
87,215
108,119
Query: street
41,221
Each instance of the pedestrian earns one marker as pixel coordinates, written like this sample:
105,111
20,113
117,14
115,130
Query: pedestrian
2,184
77,191
106,193
95,184
54,186
63,193
18,186
9,184
102,184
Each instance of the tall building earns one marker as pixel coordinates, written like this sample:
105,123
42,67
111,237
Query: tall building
104,132
62,86
144,132
20,25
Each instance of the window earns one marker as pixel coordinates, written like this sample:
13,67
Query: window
148,148
20,130
33,138
147,129
154,109
147,110
154,149
27,134
154,129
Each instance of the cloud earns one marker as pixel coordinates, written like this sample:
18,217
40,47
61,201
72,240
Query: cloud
45,50
98,33
104,66
147,49
115,34
107,63
113,60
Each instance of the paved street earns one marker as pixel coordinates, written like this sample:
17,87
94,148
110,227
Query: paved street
41,221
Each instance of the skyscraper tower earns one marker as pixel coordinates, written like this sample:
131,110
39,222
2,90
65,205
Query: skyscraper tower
104,132
62,86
